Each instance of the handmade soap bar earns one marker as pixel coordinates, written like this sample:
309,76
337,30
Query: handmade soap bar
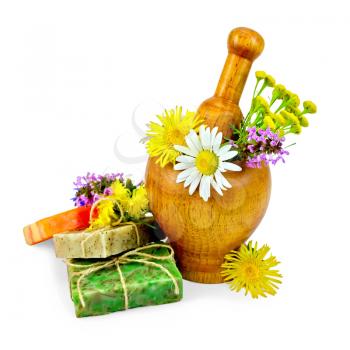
102,243
71,220
145,276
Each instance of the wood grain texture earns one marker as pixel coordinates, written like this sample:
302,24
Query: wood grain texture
201,233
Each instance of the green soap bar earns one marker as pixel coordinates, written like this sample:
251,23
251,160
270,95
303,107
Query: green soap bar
103,292
102,243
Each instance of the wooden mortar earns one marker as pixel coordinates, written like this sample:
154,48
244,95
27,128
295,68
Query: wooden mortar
201,233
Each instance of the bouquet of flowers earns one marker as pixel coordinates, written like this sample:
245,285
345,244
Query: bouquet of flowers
202,155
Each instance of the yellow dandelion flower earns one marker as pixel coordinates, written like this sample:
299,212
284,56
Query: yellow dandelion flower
172,130
120,193
249,269
106,215
138,203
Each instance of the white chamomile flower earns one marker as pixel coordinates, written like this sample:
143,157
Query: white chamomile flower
203,162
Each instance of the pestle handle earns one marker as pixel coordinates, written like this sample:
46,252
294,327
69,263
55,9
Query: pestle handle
244,46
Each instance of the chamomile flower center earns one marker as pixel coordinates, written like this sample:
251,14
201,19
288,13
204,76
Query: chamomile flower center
207,162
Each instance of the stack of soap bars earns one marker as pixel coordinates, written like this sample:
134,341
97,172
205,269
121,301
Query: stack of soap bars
110,268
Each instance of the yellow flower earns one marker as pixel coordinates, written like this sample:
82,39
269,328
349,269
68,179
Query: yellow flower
279,119
294,110
261,104
120,193
106,215
278,92
280,89
248,268
287,95
171,130
138,203
260,74
270,80
296,129
309,107
304,122
292,118
268,122
294,100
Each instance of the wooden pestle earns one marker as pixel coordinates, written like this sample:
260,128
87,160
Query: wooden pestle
222,110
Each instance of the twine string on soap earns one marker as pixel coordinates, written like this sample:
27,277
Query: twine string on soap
124,259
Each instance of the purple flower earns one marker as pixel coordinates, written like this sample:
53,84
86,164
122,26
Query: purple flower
251,148
81,201
231,142
264,147
95,198
88,189
107,191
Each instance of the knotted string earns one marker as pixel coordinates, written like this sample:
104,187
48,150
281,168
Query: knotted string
124,259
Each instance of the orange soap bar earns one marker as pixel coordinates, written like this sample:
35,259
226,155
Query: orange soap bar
71,220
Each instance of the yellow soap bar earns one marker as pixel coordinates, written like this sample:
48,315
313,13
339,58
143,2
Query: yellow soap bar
101,243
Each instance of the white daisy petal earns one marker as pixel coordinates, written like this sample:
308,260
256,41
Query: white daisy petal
223,181
202,189
216,187
191,145
195,184
209,140
223,150
184,174
195,140
212,138
185,159
207,186
186,150
228,155
217,142
207,137
218,180
182,166
191,177
221,169
230,166
201,134
204,135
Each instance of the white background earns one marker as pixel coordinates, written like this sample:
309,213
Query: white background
72,75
